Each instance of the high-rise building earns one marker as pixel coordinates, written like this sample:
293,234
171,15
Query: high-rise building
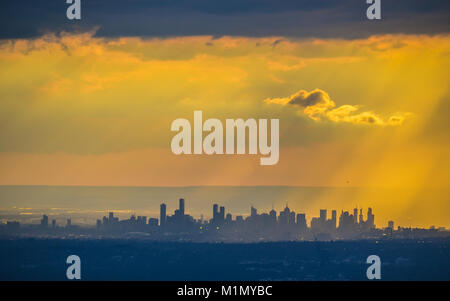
355,215
333,219
181,207
370,218
361,217
284,216
162,214
323,216
273,215
44,221
222,213
215,211
346,221
301,221
253,211
292,217
391,225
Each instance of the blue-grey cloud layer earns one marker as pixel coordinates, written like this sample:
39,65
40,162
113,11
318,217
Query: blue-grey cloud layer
294,18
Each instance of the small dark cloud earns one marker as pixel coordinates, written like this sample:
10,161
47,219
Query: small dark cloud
305,99
276,42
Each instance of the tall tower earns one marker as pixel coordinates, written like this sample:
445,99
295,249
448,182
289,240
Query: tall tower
333,219
273,216
301,221
253,211
355,215
181,207
162,215
361,217
391,225
323,215
292,217
44,221
222,213
370,218
215,211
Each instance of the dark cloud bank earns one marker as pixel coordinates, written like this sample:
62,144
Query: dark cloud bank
164,18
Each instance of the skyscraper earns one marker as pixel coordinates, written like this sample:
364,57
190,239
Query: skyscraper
333,219
284,216
215,211
370,218
391,225
273,216
323,216
44,221
301,221
162,214
292,217
181,207
253,211
222,213
361,218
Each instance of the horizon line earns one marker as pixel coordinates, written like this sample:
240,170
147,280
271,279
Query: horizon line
191,186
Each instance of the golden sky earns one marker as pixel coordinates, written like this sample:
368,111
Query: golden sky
80,110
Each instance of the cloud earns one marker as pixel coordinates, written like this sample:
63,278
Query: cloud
318,105
315,103
255,18
89,95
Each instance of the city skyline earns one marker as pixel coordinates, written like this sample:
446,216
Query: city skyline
83,204
223,226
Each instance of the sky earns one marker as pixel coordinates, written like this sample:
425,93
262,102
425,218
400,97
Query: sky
361,103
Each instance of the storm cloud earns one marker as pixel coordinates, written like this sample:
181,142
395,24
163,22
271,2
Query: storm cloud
254,18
